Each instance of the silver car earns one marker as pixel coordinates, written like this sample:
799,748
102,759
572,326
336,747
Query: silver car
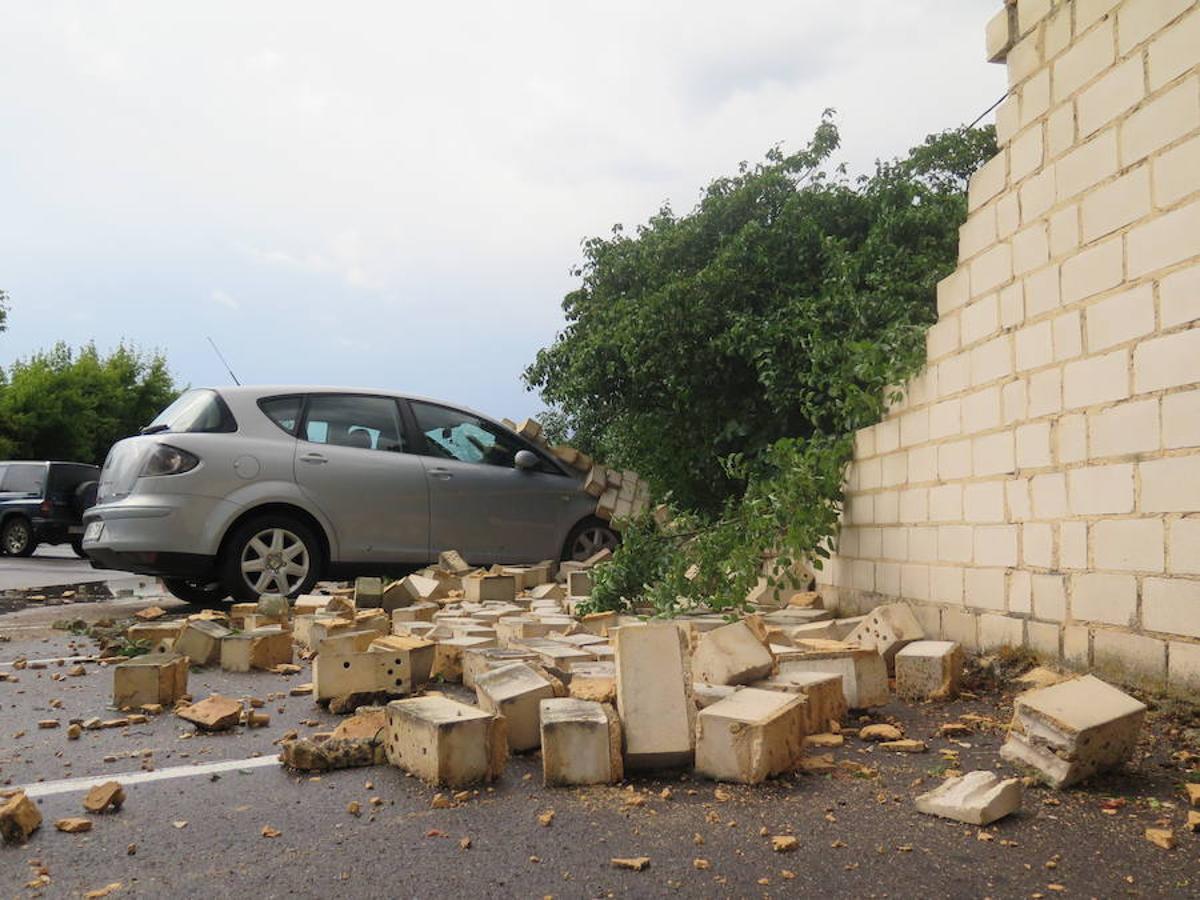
250,490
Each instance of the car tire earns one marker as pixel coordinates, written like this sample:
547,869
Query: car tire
280,553
17,537
205,594
77,546
590,537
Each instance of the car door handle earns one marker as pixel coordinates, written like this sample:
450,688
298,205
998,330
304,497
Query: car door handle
441,474
315,459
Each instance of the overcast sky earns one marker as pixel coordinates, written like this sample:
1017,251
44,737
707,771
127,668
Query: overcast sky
392,195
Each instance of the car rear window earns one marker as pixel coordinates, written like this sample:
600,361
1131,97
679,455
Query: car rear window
200,410
283,411
23,479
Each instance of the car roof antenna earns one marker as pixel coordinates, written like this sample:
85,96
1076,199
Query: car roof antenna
225,363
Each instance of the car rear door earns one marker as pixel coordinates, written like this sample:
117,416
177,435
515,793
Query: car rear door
481,504
352,459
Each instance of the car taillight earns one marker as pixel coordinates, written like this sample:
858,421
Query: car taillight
47,507
168,460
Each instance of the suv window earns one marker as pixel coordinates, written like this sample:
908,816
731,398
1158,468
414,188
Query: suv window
200,410
24,479
66,479
454,434
283,411
352,420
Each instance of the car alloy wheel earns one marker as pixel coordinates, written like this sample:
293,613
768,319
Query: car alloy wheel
16,537
274,561
592,540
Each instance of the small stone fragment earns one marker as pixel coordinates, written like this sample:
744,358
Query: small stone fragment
354,808
784,843
636,863
904,746
880,732
546,818
1161,837
104,797
269,832
74,730
74,825
215,713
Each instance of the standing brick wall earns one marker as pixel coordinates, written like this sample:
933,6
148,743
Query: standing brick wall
1040,482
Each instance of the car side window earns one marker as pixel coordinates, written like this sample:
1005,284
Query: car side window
20,479
353,420
283,411
454,434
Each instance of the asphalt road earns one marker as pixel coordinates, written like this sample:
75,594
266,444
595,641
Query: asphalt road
57,565
859,834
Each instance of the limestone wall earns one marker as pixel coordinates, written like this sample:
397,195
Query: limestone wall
1040,484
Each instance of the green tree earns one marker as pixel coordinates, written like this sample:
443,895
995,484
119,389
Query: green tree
73,405
3,310
781,306
729,354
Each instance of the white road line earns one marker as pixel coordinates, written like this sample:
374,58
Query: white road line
54,659
86,782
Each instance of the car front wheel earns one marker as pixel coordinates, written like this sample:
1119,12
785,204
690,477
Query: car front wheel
17,537
274,554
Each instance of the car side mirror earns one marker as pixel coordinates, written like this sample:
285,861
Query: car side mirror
526,460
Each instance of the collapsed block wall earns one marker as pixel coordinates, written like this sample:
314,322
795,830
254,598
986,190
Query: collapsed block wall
1039,484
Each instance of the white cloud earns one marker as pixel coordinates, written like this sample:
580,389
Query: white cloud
222,298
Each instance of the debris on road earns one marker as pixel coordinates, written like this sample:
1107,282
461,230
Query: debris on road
154,678
106,797
74,825
214,713
976,798
581,742
929,670
19,818
635,863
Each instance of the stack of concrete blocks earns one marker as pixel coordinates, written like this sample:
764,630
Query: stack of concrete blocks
154,678
1039,483
581,743
750,736
929,670
444,742
476,662
1073,730
515,691
200,642
863,672
654,696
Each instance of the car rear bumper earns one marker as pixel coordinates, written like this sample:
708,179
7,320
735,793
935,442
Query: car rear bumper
149,526
150,562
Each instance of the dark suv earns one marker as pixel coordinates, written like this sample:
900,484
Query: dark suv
43,503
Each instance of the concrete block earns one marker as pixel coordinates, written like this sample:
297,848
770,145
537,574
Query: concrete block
451,561
929,670
581,742
732,654
864,673
977,798
516,691
347,642
417,612
263,648
485,659
158,636
368,593
654,684
409,590
342,674
886,629
448,655
154,678
558,657
479,588
822,692
514,629
408,663
19,818
200,642
444,742
750,736
1073,730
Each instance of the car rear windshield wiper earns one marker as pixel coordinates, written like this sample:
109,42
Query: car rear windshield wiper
154,429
